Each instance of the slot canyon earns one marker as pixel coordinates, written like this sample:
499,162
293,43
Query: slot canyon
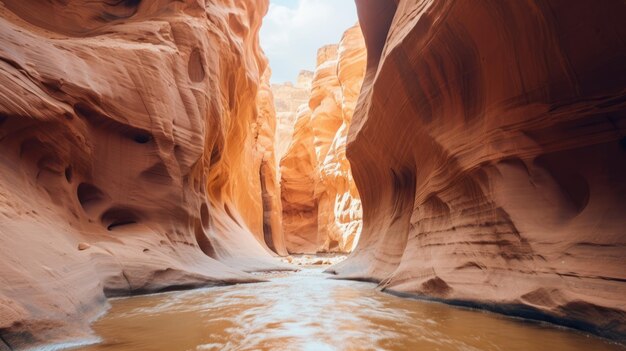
442,167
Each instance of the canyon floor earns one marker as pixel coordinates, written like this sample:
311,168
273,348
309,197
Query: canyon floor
309,310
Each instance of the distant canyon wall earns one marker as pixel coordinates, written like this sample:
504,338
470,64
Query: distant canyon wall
489,150
133,156
321,206
288,99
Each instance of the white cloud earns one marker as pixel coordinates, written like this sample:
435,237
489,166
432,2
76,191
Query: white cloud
293,30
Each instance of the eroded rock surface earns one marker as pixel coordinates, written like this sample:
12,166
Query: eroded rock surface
132,156
321,206
488,148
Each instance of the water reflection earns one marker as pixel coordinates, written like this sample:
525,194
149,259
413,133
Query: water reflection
306,311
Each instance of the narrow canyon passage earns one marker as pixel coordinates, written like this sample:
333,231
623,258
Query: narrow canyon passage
455,153
308,311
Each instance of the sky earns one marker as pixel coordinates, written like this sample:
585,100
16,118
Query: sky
293,30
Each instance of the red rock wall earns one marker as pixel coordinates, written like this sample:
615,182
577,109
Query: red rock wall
132,130
488,147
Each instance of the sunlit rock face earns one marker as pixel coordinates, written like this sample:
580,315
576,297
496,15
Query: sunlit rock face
322,210
288,98
132,156
339,217
488,148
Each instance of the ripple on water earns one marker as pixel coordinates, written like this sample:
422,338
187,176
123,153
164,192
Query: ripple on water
306,311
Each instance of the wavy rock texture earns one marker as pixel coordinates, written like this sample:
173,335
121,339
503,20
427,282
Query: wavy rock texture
132,156
488,148
288,98
322,210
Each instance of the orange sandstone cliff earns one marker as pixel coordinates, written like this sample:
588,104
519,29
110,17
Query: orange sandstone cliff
489,150
132,156
321,206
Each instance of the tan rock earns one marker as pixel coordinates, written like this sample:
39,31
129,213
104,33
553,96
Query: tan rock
488,149
83,246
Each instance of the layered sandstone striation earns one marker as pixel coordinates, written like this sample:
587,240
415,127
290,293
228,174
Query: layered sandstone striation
321,206
489,150
288,98
133,156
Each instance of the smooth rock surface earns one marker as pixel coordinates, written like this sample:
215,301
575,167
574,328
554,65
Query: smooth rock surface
488,149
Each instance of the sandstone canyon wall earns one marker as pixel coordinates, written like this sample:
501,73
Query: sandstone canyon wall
132,156
321,206
489,150
288,99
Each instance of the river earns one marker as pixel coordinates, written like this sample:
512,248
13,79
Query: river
306,310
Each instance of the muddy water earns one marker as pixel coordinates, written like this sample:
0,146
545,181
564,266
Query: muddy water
306,311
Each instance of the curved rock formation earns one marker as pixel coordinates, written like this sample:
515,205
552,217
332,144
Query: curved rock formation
489,150
132,156
321,203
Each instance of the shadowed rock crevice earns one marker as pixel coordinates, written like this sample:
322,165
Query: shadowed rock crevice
118,217
89,196
267,210
69,174
195,66
203,241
